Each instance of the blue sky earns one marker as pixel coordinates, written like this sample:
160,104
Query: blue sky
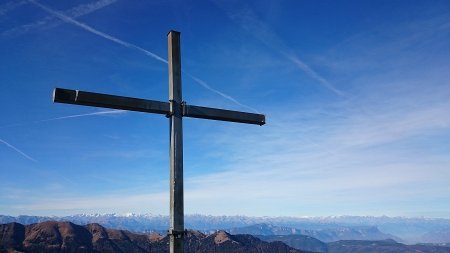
356,95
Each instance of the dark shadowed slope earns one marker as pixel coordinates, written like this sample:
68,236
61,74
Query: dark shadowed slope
302,242
385,246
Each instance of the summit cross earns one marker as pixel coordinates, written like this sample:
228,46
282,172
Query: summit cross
175,110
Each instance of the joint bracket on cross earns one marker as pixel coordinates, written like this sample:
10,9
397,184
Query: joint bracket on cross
175,108
177,233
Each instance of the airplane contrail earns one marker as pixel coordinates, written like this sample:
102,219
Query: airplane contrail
77,11
206,86
97,32
18,150
52,119
247,19
132,46
66,117
82,115
308,70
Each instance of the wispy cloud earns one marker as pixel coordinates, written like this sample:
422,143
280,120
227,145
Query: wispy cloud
388,149
90,29
303,166
245,17
387,152
347,163
18,150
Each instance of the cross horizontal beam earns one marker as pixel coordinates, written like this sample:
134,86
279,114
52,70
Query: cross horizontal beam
151,106
223,115
77,97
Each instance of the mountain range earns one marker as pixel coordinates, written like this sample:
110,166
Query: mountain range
402,229
53,236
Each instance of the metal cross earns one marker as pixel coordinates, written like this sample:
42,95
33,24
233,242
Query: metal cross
175,109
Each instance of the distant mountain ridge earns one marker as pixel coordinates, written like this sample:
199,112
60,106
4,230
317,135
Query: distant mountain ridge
412,230
325,235
311,240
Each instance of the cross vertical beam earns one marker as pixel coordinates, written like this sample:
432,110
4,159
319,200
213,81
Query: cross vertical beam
176,229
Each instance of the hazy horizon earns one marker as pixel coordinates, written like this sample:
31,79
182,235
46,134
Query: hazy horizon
232,215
